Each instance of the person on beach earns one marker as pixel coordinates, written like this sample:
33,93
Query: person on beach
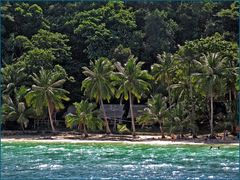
225,134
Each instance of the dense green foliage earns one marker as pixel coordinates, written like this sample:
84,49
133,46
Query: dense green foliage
85,117
182,56
132,82
47,92
155,112
98,83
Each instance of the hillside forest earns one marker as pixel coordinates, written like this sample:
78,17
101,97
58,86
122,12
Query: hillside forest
179,59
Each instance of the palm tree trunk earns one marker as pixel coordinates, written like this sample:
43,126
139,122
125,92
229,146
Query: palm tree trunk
230,96
108,131
169,94
132,116
232,110
55,116
85,130
161,129
50,116
79,126
192,115
230,101
22,126
211,119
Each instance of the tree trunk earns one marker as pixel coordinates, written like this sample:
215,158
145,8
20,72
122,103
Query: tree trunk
235,114
192,111
108,131
132,116
55,116
50,116
85,131
169,95
192,114
211,119
230,96
22,126
233,110
79,126
161,130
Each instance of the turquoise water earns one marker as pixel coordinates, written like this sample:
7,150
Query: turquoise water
118,161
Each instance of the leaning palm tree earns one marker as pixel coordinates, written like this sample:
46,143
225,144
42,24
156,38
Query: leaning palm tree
47,92
132,82
98,83
85,117
211,78
155,112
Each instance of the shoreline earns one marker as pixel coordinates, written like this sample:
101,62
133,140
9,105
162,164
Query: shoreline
125,139
153,142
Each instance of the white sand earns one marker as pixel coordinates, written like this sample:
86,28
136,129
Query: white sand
153,142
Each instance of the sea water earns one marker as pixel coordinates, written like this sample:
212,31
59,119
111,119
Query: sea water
25,160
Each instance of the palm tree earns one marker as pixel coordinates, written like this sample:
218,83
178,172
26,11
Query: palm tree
155,112
231,73
13,78
98,84
132,82
85,117
180,117
211,78
163,71
16,110
181,90
47,92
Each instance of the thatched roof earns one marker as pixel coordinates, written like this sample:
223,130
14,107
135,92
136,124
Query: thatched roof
113,111
71,109
116,111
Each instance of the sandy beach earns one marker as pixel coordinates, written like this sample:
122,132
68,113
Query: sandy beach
108,141
102,138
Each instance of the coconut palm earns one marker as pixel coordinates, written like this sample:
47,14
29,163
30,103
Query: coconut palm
13,78
98,83
180,118
16,110
162,71
85,117
231,73
155,112
181,90
211,78
47,92
14,107
132,82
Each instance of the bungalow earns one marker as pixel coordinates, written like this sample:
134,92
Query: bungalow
115,111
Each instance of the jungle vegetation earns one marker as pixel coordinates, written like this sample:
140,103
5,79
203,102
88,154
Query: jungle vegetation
178,58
